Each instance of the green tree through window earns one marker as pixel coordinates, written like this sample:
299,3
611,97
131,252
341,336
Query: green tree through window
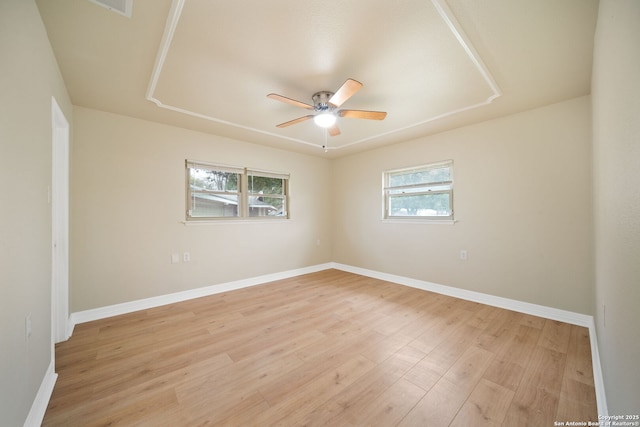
215,191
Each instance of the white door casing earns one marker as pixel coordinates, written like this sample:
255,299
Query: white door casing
60,225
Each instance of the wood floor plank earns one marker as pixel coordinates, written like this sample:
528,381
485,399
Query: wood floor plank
469,368
486,406
577,390
312,367
64,402
243,415
204,412
575,401
380,350
535,402
438,329
392,405
499,332
555,336
323,349
443,401
118,408
530,320
295,407
511,360
450,349
520,345
228,386
505,373
579,366
348,407
437,408
131,412
485,316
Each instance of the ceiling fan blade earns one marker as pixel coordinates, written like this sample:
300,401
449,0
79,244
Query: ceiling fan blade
294,121
334,130
362,114
345,92
289,101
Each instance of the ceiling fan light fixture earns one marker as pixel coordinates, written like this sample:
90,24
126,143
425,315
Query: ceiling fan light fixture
325,120
326,104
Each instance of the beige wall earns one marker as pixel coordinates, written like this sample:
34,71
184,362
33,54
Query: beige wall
129,198
522,197
29,77
616,137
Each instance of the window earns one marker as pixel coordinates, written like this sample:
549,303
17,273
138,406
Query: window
267,193
423,192
219,192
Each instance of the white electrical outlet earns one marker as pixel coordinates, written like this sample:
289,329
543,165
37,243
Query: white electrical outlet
186,257
463,255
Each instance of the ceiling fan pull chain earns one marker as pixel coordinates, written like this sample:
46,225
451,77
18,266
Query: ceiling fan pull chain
326,142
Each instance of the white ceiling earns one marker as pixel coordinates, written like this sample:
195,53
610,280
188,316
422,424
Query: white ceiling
432,65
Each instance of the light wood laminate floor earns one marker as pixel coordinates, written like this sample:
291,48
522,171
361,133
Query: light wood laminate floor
329,348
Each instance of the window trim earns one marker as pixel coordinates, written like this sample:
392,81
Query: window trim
243,194
267,174
386,193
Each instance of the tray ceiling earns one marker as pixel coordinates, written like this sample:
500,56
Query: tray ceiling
430,64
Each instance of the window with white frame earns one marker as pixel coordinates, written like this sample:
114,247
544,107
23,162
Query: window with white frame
267,193
228,192
422,192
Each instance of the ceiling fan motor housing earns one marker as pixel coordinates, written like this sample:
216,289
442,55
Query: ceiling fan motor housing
321,101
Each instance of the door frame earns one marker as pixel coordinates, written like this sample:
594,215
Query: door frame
60,328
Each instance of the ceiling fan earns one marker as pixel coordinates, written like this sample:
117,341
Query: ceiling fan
326,104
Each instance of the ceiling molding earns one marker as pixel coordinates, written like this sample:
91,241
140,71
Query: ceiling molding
167,37
165,43
449,18
440,6
454,26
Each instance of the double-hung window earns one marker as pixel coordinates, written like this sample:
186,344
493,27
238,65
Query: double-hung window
423,192
227,192
267,193
213,191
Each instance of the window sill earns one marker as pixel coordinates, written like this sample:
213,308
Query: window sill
233,221
419,221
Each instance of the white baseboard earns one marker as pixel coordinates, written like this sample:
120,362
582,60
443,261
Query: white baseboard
598,378
144,304
506,303
492,300
39,405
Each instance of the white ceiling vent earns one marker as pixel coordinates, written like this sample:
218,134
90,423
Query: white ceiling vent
123,7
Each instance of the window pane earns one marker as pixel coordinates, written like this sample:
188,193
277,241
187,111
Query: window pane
265,185
204,179
420,176
213,205
420,205
267,206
